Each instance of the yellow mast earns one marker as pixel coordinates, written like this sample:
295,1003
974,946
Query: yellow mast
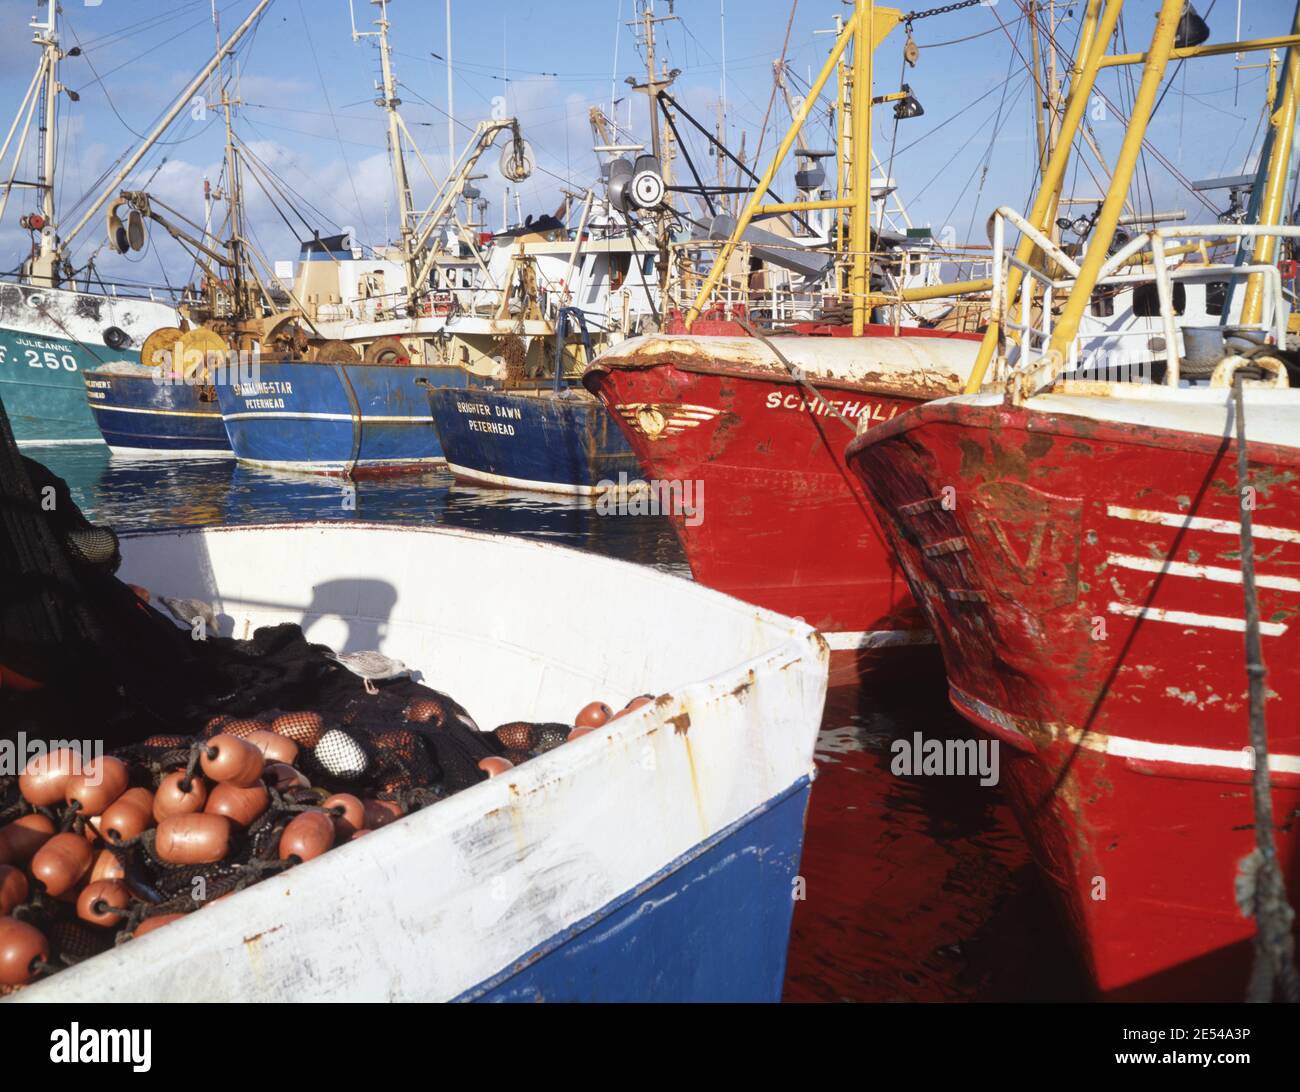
1153,71
1098,26
1282,120
867,29
860,143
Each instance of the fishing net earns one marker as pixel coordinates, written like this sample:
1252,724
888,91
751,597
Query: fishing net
86,657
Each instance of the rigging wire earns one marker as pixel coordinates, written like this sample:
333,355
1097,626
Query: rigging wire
338,136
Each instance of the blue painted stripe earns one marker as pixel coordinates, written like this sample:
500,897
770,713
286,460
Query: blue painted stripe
714,925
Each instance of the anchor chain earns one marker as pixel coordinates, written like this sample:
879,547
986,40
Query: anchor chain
912,16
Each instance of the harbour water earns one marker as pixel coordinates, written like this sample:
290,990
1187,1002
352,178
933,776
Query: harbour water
916,888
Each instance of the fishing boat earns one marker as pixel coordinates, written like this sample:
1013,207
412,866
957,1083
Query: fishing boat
1085,550
760,417
654,859
359,406
143,411
51,329
787,526
523,429
552,438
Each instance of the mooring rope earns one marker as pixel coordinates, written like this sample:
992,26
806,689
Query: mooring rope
1273,971
798,374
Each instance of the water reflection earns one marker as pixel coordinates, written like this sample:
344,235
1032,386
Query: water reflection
152,494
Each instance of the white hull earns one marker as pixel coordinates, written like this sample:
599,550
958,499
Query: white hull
450,897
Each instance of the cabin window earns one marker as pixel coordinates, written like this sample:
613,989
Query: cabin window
618,267
647,265
1216,297
1146,300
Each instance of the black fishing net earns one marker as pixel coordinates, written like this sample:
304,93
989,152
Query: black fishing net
85,657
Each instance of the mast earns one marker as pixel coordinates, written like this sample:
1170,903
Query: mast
44,265
49,133
1041,104
1157,58
860,147
179,104
234,194
660,147
451,112
1275,172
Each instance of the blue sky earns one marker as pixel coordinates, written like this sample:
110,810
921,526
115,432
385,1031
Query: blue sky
309,114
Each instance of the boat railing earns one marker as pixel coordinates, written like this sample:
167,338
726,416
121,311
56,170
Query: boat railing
770,293
781,297
1155,257
905,274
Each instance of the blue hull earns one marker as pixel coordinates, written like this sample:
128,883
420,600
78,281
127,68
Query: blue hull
335,418
713,926
559,443
136,414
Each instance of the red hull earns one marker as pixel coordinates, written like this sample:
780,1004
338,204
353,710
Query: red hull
784,523
1084,582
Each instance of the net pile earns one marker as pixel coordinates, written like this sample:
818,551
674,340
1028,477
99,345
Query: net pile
94,854
364,762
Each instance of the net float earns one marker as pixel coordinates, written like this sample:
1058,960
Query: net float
593,715
307,836
45,778
193,839
22,947
239,727
351,819
102,781
241,806
633,706
62,863
274,747
494,766
25,835
303,728
141,593
130,815
283,777
98,900
14,888
425,710
379,813
341,755
107,866
157,922
515,736
578,733
232,760
166,743
173,798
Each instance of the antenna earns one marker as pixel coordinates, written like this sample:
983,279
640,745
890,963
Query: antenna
451,112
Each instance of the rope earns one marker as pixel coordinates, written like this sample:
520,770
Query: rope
798,374
1274,964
